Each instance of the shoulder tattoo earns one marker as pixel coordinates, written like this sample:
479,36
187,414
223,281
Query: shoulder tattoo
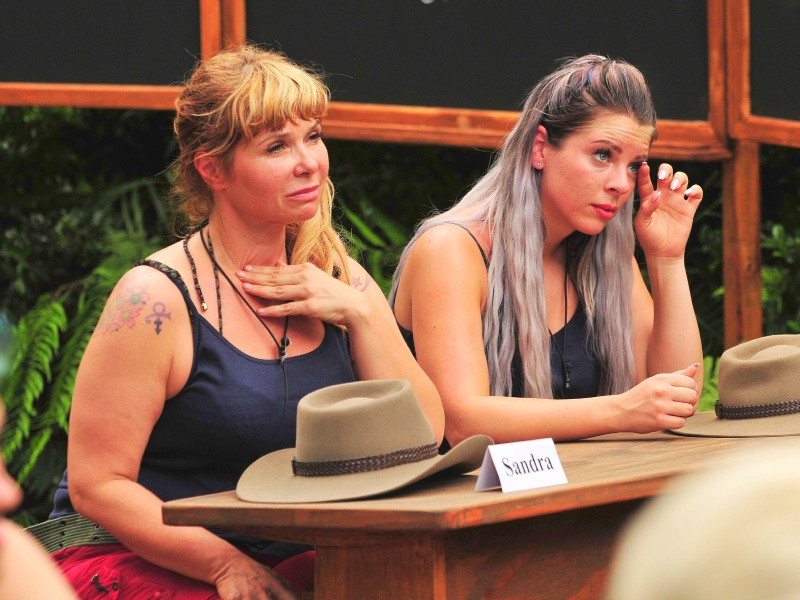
360,283
125,305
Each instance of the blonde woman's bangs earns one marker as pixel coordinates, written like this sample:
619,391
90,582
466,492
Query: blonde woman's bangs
275,97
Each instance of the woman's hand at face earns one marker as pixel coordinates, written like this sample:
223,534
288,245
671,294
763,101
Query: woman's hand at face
663,401
665,215
303,290
247,579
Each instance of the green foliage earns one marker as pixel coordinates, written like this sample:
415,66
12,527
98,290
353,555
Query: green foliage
42,250
780,239
38,340
704,260
129,221
780,275
708,395
375,240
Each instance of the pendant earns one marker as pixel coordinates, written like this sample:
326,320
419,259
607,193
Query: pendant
285,341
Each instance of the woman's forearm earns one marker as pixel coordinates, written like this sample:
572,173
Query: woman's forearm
675,339
133,515
381,353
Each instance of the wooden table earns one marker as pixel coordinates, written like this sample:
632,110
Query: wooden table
440,539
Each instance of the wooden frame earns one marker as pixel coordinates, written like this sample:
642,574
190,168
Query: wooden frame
223,23
743,125
742,202
152,97
679,140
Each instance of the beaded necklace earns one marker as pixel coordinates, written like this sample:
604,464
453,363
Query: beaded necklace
209,247
561,352
285,341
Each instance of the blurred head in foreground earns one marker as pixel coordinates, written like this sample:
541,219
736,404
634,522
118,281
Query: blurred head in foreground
732,533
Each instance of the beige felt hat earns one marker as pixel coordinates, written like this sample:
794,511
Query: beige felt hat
759,391
356,440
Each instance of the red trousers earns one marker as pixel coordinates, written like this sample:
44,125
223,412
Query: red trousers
112,572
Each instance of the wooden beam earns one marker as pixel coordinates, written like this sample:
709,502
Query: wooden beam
210,28
717,68
86,95
742,123
234,23
741,244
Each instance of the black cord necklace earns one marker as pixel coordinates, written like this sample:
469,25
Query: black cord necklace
561,352
285,341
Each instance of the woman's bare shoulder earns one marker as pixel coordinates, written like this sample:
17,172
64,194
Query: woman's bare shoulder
451,245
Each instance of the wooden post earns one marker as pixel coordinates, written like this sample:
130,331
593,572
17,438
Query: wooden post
210,28
234,23
741,244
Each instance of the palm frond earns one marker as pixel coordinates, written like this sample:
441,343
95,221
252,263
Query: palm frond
38,338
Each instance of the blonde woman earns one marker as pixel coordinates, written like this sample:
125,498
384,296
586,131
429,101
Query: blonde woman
527,293
205,348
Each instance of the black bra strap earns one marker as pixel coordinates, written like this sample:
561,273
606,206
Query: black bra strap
175,277
477,243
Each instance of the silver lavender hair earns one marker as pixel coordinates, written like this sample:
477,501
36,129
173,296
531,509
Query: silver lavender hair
508,204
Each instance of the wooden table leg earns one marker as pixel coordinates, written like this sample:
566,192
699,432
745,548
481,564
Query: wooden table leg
552,557
400,567
560,556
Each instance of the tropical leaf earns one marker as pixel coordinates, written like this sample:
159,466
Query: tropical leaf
81,327
38,338
361,226
709,393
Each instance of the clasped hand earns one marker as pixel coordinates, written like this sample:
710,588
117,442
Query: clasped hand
664,220
303,290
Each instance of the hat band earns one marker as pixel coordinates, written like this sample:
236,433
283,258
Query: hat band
365,464
775,409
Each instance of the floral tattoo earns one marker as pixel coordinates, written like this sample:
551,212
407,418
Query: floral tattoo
123,308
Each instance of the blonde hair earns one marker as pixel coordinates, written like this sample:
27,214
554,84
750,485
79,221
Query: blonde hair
232,96
507,203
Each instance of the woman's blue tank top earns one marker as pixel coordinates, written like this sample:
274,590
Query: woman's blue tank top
232,410
584,368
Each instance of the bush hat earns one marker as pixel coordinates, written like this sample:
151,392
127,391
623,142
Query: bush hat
356,440
758,391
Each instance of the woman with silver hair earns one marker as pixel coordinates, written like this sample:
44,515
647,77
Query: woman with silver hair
527,292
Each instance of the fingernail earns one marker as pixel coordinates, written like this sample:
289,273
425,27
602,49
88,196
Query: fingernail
247,286
674,185
662,174
656,195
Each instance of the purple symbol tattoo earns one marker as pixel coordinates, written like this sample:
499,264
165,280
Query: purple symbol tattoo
159,312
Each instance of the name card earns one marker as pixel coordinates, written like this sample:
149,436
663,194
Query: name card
521,466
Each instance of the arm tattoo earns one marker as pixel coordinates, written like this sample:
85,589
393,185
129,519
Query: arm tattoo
159,312
360,283
123,308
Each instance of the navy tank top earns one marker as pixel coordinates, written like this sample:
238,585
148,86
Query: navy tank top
584,371
232,410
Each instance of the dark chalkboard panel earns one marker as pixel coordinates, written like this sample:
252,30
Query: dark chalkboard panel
775,59
486,54
148,42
